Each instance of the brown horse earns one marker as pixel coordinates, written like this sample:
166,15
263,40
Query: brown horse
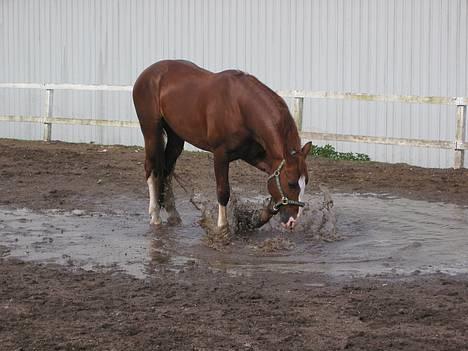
231,114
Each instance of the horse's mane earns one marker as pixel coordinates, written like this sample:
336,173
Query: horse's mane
288,131
278,100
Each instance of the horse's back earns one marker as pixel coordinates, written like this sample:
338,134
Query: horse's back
163,78
200,106
172,68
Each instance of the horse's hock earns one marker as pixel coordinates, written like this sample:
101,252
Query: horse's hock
318,220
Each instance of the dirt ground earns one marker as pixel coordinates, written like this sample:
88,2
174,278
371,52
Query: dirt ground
60,175
47,307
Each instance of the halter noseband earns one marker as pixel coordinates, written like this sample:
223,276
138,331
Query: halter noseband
284,200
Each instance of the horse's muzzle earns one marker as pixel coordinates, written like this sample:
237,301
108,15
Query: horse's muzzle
290,224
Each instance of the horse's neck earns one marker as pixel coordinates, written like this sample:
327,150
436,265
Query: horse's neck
278,144
272,111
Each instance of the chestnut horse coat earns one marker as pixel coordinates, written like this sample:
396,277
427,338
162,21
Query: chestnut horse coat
231,114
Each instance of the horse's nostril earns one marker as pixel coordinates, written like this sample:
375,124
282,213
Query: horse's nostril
290,224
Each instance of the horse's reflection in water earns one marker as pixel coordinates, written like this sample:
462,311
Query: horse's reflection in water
231,114
160,251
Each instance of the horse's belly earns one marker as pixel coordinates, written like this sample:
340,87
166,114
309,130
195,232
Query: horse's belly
192,131
198,114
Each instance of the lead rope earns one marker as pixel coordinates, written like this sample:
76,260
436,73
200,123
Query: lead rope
190,193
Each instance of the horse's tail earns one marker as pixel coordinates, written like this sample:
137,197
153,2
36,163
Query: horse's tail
147,107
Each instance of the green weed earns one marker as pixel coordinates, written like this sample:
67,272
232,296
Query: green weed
328,151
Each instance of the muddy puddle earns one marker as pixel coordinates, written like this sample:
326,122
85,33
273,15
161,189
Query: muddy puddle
378,235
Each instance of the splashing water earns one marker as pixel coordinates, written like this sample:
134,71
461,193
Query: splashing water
318,220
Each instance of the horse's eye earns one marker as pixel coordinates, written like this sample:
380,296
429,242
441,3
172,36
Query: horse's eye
293,185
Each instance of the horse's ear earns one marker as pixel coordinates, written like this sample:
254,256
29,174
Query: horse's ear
306,148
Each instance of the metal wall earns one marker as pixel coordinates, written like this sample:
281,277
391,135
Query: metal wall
403,47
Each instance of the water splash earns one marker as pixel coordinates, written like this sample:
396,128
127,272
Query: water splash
318,219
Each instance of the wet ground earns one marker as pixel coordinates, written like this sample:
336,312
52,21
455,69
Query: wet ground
98,277
376,235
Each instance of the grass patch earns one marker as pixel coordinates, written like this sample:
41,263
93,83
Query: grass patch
328,151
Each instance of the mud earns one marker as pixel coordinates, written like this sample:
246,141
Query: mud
382,265
279,243
376,236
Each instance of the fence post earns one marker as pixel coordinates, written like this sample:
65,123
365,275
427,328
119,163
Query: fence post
459,156
298,107
49,105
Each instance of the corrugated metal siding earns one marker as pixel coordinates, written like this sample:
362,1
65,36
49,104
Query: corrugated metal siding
402,47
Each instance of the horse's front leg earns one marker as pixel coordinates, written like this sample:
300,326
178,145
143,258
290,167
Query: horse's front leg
221,167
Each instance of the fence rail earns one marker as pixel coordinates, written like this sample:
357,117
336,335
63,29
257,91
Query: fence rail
459,144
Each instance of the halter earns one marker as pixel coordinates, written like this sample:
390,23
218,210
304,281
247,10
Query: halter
284,200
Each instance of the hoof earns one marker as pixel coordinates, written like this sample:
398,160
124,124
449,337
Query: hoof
218,237
156,222
223,231
174,220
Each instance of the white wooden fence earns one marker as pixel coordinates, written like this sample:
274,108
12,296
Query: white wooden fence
458,145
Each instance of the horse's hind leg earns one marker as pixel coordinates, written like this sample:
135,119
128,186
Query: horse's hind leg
174,148
154,168
147,107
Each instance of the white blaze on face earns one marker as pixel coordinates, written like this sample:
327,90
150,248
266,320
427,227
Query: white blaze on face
302,186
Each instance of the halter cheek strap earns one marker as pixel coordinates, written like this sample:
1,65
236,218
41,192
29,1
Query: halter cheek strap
284,199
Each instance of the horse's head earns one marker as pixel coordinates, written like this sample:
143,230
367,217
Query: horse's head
287,185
